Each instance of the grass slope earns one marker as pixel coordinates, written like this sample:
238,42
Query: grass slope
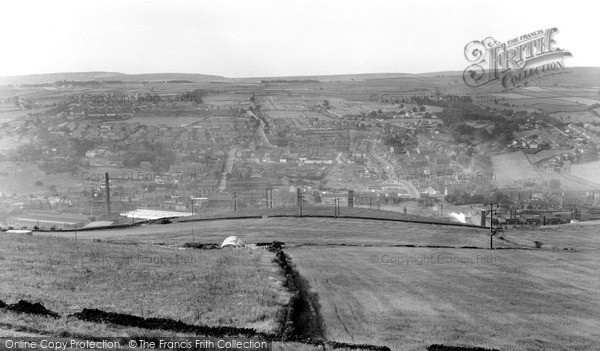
295,231
414,297
240,288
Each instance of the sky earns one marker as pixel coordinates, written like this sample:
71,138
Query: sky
262,38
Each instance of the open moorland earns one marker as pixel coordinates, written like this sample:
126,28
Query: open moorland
397,284
197,287
296,231
409,298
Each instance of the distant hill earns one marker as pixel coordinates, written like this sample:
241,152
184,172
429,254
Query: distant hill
575,76
330,78
104,76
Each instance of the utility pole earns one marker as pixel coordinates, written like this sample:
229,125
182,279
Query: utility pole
492,229
300,196
234,202
334,208
268,197
107,185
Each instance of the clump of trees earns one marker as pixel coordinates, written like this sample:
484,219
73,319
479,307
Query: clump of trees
159,155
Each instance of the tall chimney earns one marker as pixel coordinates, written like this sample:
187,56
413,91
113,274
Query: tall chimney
107,183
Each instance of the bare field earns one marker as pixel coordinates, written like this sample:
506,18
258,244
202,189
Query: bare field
294,231
241,288
550,98
544,154
581,100
409,299
7,116
589,171
20,178
512,167
168,121
577,116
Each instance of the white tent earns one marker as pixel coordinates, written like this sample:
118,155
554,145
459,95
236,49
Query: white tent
232,241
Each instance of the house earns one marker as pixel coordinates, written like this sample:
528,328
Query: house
95,152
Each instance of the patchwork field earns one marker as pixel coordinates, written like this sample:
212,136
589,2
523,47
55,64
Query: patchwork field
411,298
589,171
512,167
365,287
168,121
293,231
241,288
550,98
579,116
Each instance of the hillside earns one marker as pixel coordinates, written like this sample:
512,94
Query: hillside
105,76
571,76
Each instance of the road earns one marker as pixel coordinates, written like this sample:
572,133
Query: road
261,130
413,192
227,168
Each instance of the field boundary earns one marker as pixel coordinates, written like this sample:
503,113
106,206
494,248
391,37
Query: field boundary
170,220
292,330
340,216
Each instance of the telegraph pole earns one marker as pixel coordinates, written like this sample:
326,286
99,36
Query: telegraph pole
492,230
268,197
299,199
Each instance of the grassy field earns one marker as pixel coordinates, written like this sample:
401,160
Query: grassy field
168,121
241,288
516,166
550,99
294,231
588,171
21,178
580,236
574,117
511,167
369,290
409,298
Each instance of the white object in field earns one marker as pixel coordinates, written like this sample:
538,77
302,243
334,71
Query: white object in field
154,214
232,241
19,231
459,217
